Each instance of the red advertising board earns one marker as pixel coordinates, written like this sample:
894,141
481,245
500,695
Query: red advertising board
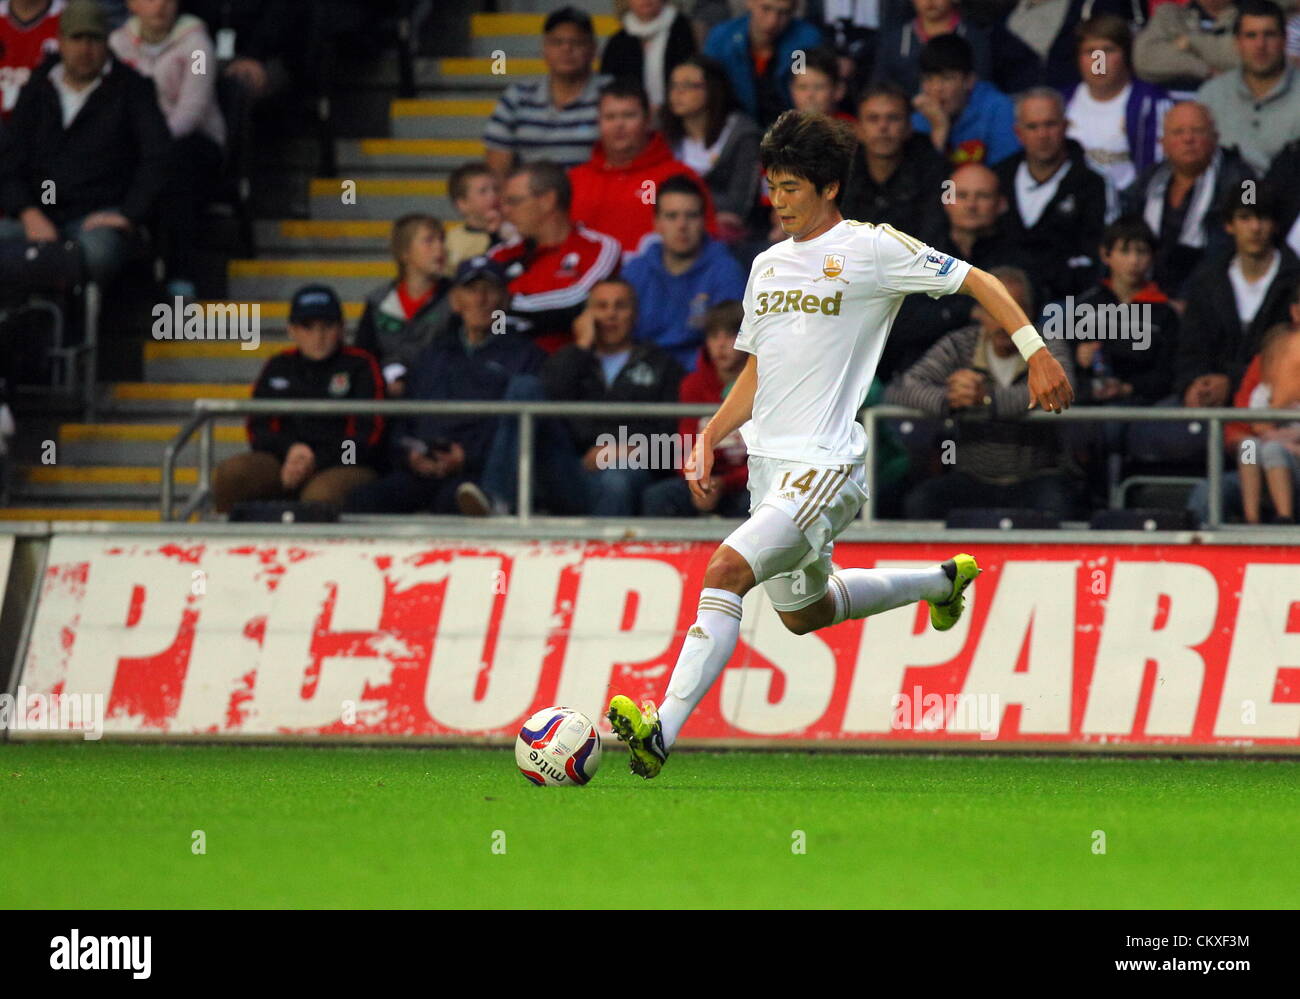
1062,645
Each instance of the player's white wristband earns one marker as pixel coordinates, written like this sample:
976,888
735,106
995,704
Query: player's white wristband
1027,341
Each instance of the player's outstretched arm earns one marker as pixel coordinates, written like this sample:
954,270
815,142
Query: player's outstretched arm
734,412
1049,386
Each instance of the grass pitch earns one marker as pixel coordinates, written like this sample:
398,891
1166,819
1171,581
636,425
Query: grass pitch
93,825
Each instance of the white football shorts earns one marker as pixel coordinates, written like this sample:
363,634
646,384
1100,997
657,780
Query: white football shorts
794,562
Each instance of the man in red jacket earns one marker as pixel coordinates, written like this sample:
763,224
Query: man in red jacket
615,191
719,365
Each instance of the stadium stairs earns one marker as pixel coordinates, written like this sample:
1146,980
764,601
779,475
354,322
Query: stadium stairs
110,469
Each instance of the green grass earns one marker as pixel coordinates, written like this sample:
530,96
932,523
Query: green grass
92,825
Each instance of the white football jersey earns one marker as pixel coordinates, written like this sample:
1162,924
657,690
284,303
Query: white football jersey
817,314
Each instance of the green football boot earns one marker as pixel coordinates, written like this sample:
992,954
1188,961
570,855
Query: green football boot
641,730
962,570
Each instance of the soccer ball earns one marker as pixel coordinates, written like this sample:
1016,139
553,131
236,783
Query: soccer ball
558,747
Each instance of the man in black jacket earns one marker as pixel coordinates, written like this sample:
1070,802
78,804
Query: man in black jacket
316,459
434,456
86,152
1234,302
895,175
1056,205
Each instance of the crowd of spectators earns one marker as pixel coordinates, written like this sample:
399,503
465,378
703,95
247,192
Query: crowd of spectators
1105,158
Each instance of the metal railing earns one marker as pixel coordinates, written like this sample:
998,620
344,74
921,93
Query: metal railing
206,411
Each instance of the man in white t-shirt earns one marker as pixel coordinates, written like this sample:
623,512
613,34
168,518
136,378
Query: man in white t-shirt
818,308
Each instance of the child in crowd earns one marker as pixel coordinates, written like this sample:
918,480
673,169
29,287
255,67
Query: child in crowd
476,196
716,371
1270,457
403,317
819,88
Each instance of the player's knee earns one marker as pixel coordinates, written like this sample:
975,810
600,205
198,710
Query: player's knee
797,622
728,570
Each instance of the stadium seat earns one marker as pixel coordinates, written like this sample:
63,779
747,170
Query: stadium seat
1004,518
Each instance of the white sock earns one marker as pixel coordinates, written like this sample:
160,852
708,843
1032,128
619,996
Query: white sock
708,645
863,592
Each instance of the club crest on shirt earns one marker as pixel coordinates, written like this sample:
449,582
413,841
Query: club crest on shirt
832,268
340,384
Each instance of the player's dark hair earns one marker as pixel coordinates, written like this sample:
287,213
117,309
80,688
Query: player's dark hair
679,183
544,176
458,182
1259,8
580,19
725,316
626,89
946,54
1127,230
816,147
886,88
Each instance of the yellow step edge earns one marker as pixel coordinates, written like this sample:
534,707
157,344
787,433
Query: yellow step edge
76,513
232,350
183,391
280,310
425,107
488,25
422,147
149,432
329,229
468,66
102,475
310,269
327,187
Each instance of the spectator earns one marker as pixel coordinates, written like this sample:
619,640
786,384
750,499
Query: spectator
29,31
818,87
315,459
1130,360
1271,456
967,119
757,50
972,234
1001,461
718,366
1233,302
614,192
853,28
404,316
604,364
896,176
476,196
1035,43
168,47
654,39
257,40
1257,105
1115,118
555,118
718,142
898,51
680,274
1179,197
1182,46
106,172
1281,179
1057,206
434,456
552,264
